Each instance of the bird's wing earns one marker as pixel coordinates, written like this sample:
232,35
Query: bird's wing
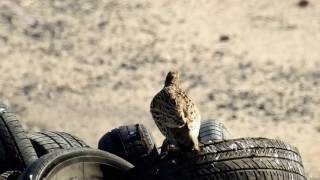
191,112
167,109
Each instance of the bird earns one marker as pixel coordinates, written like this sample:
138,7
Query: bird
176,115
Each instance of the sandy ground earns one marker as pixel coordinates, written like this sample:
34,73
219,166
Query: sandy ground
87,66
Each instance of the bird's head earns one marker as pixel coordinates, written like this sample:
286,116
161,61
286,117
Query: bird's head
173,78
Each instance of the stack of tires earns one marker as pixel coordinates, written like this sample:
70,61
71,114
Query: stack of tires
51,155
129,152
221,157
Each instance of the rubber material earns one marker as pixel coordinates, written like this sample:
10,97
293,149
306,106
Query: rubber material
210,130
10,175
133,143
17,148
102,165
48,141
213,130
237,159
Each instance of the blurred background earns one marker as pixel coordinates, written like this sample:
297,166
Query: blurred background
87,66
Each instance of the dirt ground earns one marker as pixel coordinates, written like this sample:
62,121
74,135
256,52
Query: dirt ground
87,66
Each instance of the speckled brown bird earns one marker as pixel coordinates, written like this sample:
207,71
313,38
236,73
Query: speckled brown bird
176,115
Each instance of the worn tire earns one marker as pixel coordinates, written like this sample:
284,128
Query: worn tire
210,130
16,151
77,163
10,175
133,143
213,130
48,141
237,159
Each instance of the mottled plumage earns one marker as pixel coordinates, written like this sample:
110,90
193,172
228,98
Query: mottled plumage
176,115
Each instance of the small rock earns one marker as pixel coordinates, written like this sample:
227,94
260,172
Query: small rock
224,38
211,97
303,3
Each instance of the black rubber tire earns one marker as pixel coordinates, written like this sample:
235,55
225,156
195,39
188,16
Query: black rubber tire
213,130
77,163
16,148
49,141
237,159
133,143
210,131
10,175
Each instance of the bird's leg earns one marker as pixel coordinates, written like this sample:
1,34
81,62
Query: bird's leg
198,148
201,145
